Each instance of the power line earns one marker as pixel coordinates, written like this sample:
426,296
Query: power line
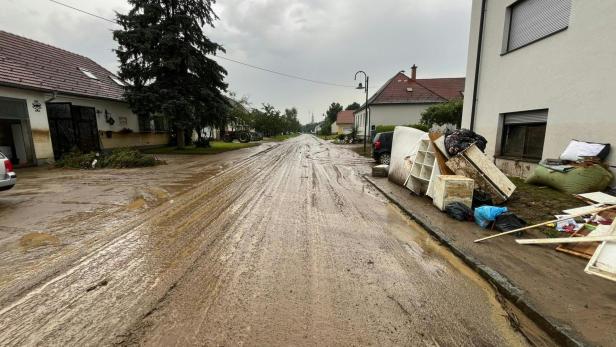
82,11
216,56
285,74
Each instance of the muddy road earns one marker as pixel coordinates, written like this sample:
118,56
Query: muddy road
287,246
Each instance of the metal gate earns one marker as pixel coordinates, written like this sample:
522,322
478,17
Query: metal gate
72,128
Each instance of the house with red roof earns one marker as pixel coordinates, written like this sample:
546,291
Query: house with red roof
402,99
53,101
344,123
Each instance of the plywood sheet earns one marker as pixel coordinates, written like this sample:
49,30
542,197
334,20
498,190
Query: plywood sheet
461,166
498,178
603,262
599,197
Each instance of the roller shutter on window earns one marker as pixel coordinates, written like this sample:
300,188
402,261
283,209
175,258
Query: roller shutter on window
13,108
534,19
540,116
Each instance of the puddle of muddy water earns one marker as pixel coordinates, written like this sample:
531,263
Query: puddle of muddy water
136,204
435,258
34,240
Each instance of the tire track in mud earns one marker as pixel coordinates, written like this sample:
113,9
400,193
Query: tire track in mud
325,269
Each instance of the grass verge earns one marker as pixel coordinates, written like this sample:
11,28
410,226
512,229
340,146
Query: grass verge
117,158
280,138
536,204
215,148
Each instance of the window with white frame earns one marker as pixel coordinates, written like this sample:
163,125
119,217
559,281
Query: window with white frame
532,20
523,134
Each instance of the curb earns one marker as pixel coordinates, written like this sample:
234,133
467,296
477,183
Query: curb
553,328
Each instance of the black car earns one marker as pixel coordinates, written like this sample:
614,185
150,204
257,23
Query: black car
381,147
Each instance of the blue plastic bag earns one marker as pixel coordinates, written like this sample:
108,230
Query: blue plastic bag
486,214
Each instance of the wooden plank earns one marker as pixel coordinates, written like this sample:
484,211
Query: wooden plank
583,209
603,262
441,157
542,224
599,197
566,240
488,168
461,166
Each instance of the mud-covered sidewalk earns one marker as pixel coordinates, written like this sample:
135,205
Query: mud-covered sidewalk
549,286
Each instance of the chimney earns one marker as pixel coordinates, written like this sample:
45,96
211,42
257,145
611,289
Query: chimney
414,72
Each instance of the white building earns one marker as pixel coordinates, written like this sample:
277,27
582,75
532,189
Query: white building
544,73
53,101
402,99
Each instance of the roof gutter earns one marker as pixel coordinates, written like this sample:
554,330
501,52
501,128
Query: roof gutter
477,64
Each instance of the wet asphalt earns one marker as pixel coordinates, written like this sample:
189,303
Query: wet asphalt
287,246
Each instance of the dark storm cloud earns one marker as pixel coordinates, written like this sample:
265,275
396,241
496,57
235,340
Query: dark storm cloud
317,39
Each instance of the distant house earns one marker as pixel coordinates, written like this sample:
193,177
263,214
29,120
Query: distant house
53,101
402,99
344,123
545,75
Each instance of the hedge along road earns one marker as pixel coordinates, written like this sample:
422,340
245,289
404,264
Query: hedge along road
288,247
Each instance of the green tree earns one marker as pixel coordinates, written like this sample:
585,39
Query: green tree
332,111
352,107
441,114
163,53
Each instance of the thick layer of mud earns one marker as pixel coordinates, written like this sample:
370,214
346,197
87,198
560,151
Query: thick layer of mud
289,246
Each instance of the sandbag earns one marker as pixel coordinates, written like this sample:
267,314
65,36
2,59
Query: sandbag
460,139
582,179
459,211
484,215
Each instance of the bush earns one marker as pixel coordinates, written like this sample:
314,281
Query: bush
118,158
442,114
387,128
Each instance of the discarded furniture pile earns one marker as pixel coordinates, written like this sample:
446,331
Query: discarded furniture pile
463,182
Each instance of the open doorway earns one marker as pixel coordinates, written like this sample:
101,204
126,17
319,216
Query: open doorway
15,133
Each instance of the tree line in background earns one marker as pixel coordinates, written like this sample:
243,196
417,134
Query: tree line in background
267,120
330,117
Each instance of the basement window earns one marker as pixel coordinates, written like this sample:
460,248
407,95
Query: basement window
88,73
529,21
523,134
117,81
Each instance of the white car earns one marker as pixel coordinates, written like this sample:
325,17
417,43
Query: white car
7,175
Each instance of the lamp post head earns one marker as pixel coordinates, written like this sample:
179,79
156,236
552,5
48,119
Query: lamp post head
360,86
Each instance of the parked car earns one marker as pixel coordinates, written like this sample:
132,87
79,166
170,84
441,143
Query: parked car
381,147
7,175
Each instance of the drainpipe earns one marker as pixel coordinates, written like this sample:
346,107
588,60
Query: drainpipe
477,64
54,95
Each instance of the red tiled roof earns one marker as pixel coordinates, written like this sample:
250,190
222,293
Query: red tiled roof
345,117
34,65
401,89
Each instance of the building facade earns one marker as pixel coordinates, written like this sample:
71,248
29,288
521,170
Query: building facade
539,74
403,99
53,101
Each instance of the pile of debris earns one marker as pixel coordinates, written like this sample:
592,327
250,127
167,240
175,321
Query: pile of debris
463,182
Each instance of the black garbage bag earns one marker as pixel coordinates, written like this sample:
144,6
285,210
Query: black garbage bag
459,211
509,221
481,198
460,139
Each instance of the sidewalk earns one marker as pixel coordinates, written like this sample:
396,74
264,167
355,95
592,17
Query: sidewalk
550,287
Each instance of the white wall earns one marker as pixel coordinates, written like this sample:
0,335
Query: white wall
571,73
404,114
43,150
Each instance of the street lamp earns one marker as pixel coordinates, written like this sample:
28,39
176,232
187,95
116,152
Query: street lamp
360,87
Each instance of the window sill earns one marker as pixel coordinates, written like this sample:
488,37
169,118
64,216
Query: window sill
518,159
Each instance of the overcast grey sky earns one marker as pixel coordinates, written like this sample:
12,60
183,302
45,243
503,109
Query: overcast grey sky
325,40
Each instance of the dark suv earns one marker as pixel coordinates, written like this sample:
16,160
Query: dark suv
381,147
